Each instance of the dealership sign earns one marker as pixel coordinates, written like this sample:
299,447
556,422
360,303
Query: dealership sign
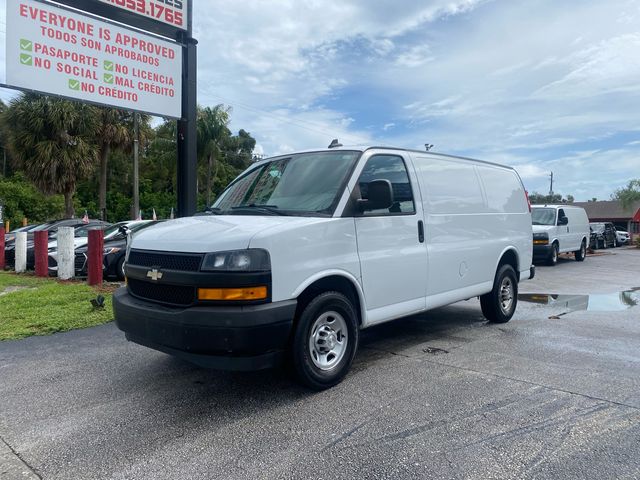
171,12
54,50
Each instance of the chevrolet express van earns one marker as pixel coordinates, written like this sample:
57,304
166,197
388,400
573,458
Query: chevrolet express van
303,251
559,229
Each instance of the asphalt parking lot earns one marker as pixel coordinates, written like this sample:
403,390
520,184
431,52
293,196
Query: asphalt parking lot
555,393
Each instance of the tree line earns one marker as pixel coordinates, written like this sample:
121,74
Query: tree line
63,157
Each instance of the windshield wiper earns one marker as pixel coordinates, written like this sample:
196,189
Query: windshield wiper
210,211
271,209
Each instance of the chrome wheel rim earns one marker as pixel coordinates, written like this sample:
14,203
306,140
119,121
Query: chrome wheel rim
583,250
328,340
555,255
506,294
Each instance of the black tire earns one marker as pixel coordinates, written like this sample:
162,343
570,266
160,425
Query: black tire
553,256
604,243
304,353
120,269
582,253
493,303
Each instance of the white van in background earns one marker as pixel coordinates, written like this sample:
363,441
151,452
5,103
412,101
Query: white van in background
559,229
302,251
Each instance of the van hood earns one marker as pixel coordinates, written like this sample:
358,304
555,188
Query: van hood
542,228
211,233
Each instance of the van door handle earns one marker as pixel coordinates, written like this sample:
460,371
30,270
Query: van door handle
420,231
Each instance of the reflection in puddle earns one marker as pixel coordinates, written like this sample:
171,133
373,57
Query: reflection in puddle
610,302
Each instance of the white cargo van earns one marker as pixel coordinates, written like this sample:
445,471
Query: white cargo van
559,229
302,251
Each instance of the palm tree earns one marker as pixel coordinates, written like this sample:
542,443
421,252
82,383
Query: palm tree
212,132
53,142
112,133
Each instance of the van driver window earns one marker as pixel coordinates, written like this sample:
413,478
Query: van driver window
392,168
561,216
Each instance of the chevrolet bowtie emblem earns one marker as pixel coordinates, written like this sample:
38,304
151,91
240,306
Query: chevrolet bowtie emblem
154,275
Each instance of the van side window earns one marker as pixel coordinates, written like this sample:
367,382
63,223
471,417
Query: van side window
392,168
561,215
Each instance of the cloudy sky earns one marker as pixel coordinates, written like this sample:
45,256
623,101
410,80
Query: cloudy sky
541,85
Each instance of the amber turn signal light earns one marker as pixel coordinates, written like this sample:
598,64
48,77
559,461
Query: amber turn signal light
244,293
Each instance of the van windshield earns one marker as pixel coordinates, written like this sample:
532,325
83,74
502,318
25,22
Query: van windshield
543,216
305,183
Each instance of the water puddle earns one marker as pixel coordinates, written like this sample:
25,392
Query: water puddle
610,302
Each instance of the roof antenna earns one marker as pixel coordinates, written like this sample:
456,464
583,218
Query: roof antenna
335,143
428,146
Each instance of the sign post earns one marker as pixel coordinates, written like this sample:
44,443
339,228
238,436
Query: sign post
187,133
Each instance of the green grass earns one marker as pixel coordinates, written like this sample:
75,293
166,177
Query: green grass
47,306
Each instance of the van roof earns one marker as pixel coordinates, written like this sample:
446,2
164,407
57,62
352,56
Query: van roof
364,148
549,205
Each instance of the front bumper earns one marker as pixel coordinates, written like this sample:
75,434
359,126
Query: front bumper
542,251
250,337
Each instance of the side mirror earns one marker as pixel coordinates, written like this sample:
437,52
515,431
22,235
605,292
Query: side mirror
563,221
379,196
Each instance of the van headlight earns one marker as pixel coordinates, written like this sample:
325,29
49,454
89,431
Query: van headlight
249,260
541,238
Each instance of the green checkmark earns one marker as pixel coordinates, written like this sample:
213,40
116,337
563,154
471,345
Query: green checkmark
74,84
108,78
26,45
108,66
26,59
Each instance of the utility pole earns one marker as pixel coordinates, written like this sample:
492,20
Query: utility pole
136,178
551,187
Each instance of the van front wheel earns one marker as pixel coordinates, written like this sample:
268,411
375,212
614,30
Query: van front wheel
582,253
325,341
499,304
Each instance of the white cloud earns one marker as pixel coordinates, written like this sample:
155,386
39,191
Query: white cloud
415,56
541,85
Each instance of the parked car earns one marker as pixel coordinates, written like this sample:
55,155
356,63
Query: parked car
52,228
604,235
81,239
302,251
622,237
558,229
114,249
11,236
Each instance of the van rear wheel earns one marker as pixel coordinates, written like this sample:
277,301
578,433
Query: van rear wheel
499,304
325,341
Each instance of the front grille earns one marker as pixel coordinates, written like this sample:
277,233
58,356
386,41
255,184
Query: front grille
170,261
171,294
80,262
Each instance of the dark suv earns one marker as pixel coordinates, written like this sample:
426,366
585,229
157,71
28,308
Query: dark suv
603,235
